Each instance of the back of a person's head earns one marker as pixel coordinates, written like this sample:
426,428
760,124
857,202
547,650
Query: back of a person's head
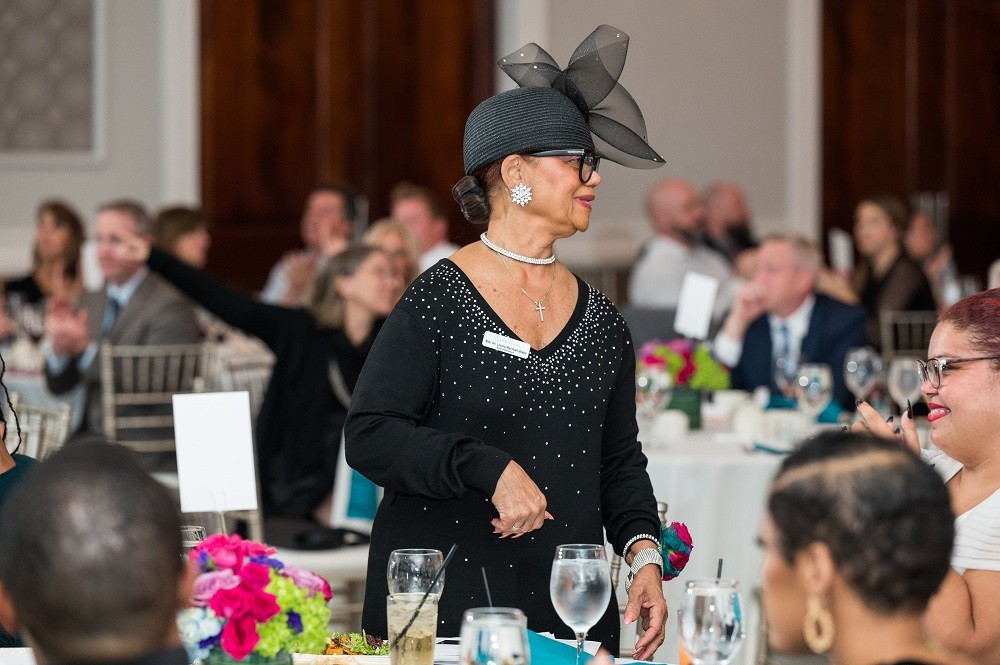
322,299
90,556
884,515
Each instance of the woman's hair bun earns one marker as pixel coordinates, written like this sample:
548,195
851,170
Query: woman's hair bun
472,199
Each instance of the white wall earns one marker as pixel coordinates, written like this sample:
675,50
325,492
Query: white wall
150,125
729,90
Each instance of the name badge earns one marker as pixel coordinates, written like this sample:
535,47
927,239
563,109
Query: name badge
514,347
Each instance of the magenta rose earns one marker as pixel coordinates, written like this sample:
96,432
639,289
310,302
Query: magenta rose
239,637
255,575
312,582
208,584
682,532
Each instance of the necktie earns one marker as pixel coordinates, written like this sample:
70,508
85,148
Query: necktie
110,316
785,350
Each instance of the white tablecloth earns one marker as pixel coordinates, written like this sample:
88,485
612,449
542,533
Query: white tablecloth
718,490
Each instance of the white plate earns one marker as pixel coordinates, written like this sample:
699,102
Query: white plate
311,659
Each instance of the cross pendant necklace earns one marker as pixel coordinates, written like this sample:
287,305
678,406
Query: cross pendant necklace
539,305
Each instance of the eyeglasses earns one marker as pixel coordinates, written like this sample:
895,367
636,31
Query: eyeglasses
934,369
589,162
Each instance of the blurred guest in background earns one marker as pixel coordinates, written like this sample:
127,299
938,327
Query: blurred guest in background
13,468
923,246
327,227
962,389
184,232
400,246
887,279
134,308
678,216
727,220
993,276
319,351
91,569
857,538
779,314
55,257
421,212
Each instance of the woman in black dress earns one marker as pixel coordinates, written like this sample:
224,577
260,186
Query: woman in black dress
497,407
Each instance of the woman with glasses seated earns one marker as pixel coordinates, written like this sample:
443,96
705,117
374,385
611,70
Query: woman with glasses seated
962,390
497,407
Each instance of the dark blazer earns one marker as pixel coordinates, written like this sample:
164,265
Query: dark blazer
834,327
156,314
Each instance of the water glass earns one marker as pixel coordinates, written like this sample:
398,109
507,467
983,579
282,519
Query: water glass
191,536
785,370
652,390
416,647
863,369
580,587
711,621
904,381
413,570
494,636
814,388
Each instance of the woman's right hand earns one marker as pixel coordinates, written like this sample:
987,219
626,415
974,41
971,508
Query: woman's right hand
871,421
519,502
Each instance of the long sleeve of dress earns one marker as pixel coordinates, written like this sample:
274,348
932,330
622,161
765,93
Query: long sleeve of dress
385,436
235,308
627,501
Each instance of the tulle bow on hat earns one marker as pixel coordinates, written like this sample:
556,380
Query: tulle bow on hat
591,82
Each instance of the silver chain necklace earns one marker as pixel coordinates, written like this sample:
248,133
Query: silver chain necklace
539,304
517,257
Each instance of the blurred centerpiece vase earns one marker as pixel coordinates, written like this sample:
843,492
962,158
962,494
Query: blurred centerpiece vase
693,372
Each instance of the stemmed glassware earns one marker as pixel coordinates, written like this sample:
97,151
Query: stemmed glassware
711,621
814,388
785,371
491,635
904,381
652,390
580,587
191,536
863,369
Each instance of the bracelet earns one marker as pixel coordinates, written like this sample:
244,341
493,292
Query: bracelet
635,539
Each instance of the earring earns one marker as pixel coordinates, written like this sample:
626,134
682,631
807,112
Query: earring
818,627
521,194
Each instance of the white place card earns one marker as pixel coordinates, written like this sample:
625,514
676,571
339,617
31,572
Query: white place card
695,305
841,251
215,465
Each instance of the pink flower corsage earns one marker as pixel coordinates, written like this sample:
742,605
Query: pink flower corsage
675,546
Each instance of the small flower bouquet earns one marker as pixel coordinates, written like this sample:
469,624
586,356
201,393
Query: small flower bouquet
689,363
675,548
246,601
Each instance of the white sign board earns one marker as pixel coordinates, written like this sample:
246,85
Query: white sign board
695,305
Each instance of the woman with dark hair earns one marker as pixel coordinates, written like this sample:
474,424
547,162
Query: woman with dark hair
514,411
857,538
319,350
183,233
56,254
962,389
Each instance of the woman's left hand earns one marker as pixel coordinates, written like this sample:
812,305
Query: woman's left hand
646,601
871,421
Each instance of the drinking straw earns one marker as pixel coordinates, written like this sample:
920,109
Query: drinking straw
413,618
489,598
718,573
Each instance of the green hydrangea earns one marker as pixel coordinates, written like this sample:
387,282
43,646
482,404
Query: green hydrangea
708,374
278,635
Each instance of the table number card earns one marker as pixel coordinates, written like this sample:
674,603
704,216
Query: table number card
215,465
695,305
841,251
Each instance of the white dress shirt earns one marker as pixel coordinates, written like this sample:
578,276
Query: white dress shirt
442,250
657,276
728,350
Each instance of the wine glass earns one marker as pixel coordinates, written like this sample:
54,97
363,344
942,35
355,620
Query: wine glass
711,622
785,370
904,381
492,635
652,389
863,368
580,587
814,388
413,570
191,536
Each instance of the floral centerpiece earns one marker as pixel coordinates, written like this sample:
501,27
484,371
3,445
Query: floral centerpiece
692,370
246,602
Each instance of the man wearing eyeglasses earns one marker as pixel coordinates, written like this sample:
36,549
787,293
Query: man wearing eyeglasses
778,315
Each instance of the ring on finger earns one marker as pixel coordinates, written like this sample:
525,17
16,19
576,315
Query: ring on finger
516,527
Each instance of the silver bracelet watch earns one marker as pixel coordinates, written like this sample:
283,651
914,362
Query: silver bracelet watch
643,557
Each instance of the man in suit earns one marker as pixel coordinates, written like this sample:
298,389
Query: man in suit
135,307
779,314
90,561
418,209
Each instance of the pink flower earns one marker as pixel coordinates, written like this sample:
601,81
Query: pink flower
678,560
208,584
312,582
682,532
255,575
239,637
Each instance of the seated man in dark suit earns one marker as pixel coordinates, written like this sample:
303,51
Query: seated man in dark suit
779,314
90,561
135,307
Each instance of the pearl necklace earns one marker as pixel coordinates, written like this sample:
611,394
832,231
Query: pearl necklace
517,257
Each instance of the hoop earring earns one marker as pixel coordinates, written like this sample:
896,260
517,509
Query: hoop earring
818,627
520,194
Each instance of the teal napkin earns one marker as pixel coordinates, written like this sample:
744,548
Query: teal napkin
549,651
